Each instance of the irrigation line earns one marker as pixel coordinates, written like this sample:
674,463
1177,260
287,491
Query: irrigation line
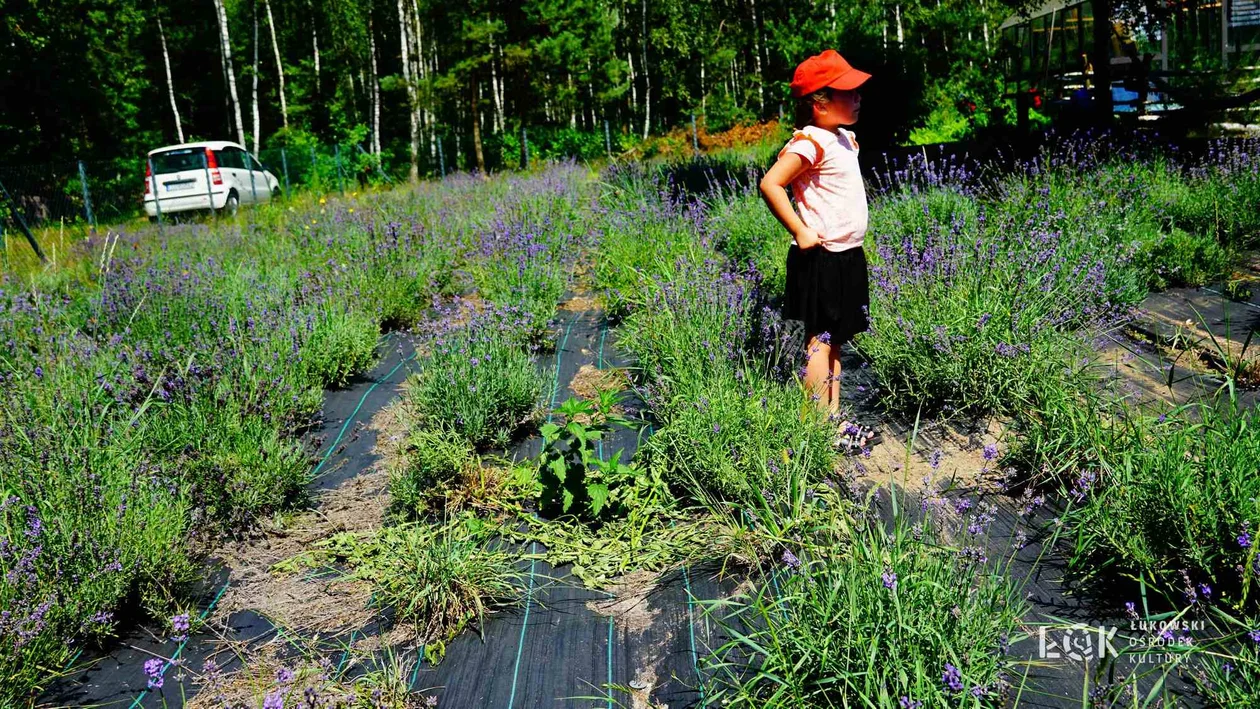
599,363
327,454
691,634
520,644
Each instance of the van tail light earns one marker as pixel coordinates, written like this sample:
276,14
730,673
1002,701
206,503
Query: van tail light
148,178
212,164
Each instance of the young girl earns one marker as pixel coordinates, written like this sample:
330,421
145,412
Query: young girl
826,266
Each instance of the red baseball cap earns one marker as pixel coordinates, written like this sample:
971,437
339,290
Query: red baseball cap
826,69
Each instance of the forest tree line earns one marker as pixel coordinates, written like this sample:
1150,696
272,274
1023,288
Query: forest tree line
111,79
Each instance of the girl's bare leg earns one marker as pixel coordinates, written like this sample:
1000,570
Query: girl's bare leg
834,363
817,371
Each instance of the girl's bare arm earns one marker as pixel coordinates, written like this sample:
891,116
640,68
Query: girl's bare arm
773,191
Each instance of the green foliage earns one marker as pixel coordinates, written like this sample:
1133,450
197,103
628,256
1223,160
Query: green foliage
574,477
478,381
342,343
1161,494
439,578
1181,258
859,612
433,458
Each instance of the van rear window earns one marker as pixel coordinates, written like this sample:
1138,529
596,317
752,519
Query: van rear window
178,160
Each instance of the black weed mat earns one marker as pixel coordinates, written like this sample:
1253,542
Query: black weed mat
116,677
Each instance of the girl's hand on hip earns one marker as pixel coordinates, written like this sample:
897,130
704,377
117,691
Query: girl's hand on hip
807,238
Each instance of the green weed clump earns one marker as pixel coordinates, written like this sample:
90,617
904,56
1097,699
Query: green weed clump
433,458
439,578
478,378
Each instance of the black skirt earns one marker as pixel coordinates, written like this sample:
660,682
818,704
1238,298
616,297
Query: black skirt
827,291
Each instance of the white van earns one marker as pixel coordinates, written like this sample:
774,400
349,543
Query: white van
216,175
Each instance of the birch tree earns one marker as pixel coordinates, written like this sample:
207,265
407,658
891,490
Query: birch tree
170,84
413,120
225,49
275,47
254,99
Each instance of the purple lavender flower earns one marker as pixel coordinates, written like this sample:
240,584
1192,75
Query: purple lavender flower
284,675
907,703
153,670
890,579
1254,635
789,559
180,624
990,451
952,678
274,700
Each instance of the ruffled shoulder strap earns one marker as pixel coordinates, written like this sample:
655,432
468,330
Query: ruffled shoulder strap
802,135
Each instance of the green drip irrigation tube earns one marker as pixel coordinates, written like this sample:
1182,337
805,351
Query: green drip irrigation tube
179,650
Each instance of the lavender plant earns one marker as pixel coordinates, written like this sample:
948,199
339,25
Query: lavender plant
907,614
478,378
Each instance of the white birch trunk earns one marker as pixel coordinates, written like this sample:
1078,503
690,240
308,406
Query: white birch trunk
225,47
376,92
257,126
761,79
315,45
496,93
647,75
634,90
275,48
901,34
572,101
170,85
413,122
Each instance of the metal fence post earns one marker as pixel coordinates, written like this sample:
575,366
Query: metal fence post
607,139
695,140
87,198
205,165
253,188
311,172
441,158
21,222
524,148
780,113
341,185
157,200
379,171
284,162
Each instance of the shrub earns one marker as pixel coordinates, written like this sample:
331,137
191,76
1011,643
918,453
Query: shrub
1171,492
973,308
1181,258
438,578
477,379
434,457
342,342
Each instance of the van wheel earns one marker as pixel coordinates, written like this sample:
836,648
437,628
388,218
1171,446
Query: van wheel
232,204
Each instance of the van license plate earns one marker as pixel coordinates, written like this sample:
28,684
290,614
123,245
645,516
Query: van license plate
177,186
